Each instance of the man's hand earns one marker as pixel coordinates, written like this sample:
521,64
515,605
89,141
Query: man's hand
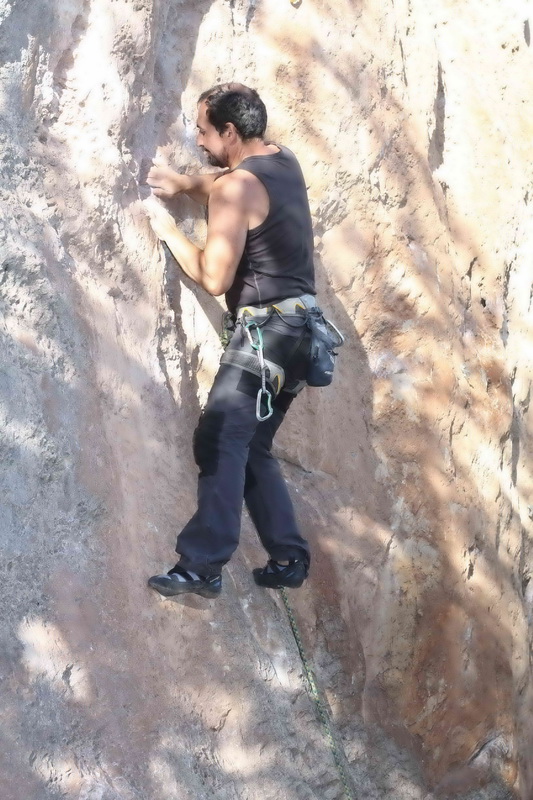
161,221
167,184
164,181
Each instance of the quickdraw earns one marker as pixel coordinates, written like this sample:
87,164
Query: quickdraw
263,393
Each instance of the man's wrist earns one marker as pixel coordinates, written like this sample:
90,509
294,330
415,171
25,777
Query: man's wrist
182,183
168,230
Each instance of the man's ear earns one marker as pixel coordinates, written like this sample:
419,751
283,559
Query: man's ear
230,131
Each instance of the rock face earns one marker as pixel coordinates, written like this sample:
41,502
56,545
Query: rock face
411,475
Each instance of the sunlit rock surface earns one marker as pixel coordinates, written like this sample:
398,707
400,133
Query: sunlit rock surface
411,475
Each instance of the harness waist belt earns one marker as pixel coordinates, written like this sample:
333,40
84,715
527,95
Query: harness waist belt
291,305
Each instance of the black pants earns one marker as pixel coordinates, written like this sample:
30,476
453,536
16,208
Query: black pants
233,451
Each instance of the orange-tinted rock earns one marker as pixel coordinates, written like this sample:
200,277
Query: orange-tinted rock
411,475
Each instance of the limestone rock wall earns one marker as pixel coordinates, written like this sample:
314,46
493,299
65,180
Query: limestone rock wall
411,475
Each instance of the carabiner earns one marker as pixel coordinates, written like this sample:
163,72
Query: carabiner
270,410
249,327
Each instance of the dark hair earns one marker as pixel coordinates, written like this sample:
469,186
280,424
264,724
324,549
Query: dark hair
236,103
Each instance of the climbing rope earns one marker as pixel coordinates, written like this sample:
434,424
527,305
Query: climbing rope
315,695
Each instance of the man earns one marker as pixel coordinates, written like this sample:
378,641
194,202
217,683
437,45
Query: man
259,253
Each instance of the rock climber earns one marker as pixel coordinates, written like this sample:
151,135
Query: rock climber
259,253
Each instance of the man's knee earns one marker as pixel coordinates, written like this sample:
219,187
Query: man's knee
206,441
221,432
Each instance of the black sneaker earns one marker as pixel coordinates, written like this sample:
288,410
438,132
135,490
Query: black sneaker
276,575
179,581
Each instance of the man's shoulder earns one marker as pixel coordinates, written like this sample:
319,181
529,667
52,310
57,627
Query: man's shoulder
233,187
236,184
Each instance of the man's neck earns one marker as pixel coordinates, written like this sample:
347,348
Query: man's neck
253,147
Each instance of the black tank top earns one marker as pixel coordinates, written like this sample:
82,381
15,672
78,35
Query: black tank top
277,261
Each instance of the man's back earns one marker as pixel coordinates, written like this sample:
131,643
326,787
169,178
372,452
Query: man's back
278,256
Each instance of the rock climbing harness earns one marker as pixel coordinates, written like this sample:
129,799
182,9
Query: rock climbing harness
263,332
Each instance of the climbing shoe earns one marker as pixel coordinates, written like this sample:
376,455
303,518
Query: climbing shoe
276,575
180,581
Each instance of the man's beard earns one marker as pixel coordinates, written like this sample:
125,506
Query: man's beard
213,160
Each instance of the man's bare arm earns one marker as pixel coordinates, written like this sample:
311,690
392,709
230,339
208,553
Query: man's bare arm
166,183
214,267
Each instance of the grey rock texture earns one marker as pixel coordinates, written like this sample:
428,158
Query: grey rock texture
412,474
